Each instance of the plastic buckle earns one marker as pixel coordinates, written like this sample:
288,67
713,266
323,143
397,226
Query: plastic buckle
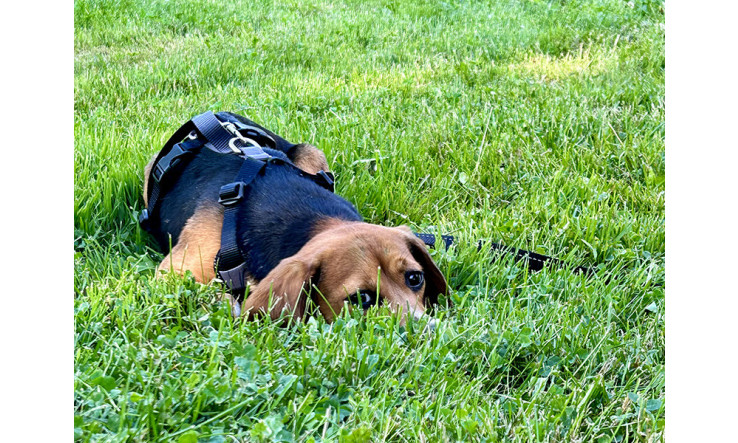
234,278
158,172
168,161
254,152
143,219
231,193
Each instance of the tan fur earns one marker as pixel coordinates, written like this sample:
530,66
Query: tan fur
198,244
147,174
310,159
349,256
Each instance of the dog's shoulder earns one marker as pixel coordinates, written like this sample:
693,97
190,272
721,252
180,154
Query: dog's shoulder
280,215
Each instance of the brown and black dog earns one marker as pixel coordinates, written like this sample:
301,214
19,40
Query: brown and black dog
300,240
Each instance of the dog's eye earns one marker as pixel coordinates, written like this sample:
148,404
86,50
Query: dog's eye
414,280
365,298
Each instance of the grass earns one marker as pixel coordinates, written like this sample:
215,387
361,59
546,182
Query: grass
538,124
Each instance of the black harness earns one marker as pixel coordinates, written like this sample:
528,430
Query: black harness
229,136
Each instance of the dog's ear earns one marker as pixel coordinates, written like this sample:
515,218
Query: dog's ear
286,287
434,282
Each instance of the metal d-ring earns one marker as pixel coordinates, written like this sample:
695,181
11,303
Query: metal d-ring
230,127
242,139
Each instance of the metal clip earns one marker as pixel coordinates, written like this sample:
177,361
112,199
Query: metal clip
230,127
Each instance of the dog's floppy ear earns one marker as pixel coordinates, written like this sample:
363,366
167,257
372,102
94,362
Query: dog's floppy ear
434,282
286,287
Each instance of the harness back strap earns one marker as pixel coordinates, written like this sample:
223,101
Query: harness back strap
210,128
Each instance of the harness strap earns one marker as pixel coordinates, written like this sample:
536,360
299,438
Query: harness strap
209,127
176,154
230,264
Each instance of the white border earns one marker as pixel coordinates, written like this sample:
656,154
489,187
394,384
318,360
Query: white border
37,178
701,205
702,134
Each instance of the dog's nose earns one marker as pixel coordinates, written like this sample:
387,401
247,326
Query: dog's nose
432,322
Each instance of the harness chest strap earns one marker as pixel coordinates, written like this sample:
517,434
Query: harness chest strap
230,264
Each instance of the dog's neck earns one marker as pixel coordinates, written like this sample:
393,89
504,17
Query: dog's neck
331,224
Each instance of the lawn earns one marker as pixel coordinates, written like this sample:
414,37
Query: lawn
536,124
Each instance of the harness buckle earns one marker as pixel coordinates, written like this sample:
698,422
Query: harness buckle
143,219
169,161
254,152
234,278
231,193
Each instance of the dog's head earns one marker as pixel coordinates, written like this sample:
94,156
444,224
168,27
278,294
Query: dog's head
355,265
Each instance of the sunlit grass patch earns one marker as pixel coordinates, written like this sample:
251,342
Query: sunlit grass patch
585,62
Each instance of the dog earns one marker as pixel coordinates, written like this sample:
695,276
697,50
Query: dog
306,248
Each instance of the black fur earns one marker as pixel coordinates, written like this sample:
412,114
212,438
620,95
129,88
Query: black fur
276,218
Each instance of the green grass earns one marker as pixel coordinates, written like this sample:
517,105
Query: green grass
532,123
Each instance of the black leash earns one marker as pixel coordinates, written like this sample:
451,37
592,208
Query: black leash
534,261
